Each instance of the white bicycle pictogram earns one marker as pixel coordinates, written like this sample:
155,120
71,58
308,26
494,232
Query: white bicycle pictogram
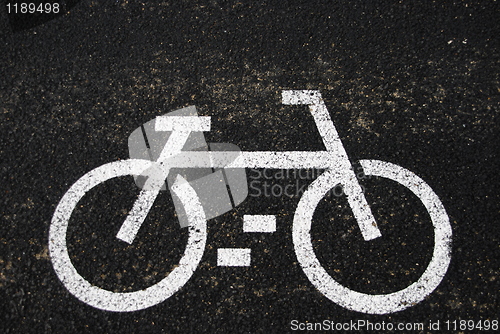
338,170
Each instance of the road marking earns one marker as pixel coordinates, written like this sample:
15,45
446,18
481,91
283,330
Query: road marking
338,171
332,142
357,301
259,223
182,123
233,257
125,301
156,178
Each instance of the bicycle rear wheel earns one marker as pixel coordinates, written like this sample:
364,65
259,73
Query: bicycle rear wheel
124,301
362,302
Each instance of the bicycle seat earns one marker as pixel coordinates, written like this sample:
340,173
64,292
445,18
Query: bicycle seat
219,190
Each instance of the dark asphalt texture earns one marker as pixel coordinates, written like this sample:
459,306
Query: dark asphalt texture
413,83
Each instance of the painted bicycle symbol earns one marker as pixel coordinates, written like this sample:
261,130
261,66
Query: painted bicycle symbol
338,170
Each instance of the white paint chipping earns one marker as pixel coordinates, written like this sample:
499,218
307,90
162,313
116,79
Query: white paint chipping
156,178
338,171
233,257
127,301
361,302
182,123
257,159
333,144
259,223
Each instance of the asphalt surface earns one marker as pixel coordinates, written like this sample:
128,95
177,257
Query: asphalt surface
412,83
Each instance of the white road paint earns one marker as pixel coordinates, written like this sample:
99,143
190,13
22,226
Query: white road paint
338,171
182,123
321,116
127,301
156,178
331,139
361,302
259,223
171,157
233,257
257,159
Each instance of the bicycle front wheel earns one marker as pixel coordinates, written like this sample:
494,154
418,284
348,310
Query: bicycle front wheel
362,302
124,301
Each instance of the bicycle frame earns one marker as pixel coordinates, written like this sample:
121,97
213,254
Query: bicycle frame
334,159
338,170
